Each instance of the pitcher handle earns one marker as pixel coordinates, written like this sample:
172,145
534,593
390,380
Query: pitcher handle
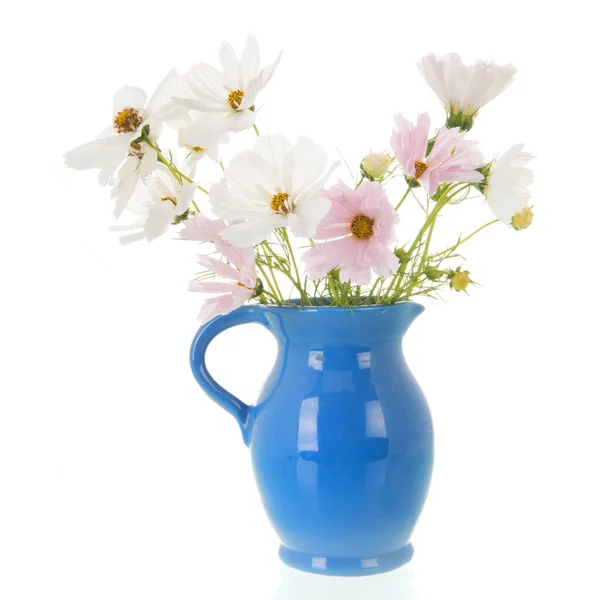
204,336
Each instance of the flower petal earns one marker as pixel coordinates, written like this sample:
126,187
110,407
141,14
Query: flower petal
323,257
212,287
216,266
207,83
105,154
309,213
172,84
231,68
129,96
303,165
267,72
249,62
252,231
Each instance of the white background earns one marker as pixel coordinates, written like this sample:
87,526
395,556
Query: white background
120,480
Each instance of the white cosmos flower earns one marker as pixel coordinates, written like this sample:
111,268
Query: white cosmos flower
210,147
131,112
225,97
507,185
276,184
139,164
464,89
168,200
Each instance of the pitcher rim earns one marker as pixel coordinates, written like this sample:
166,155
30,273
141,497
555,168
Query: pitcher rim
360,307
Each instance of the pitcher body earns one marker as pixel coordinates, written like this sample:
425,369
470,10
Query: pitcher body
341,437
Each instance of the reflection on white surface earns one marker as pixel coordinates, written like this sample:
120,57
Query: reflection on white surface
296,585
307,425
374,420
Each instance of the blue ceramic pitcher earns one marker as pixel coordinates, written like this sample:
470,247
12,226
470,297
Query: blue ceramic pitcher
341,436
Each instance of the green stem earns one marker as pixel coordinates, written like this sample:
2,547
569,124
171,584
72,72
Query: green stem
274,263
267,255
398,277
332,287
256,130
391,172
453,248
442,201
174,170
426,249
402,199
372,290
413,282
273,291
266,293
286,240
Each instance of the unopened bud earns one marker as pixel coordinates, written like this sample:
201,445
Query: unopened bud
375,165
402,255
522,219
284,262
434,274
460,281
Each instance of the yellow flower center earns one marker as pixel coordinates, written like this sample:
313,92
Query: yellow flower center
169,199
235,98
196,149
362,227
522,219
127,120
454,108
279,202
420,168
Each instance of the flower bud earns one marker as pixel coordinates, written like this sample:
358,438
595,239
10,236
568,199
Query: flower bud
434,274
375,165
283,261
402,255
460,280
522,219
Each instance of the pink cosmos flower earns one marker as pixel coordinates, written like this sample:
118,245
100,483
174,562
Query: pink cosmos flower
452,158
202,229
236,288
360,225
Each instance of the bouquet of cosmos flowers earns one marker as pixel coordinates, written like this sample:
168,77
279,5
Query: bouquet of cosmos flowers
273,201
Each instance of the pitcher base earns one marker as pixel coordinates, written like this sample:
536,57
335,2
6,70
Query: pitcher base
349,567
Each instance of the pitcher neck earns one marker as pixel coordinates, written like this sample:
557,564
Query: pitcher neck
336,326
